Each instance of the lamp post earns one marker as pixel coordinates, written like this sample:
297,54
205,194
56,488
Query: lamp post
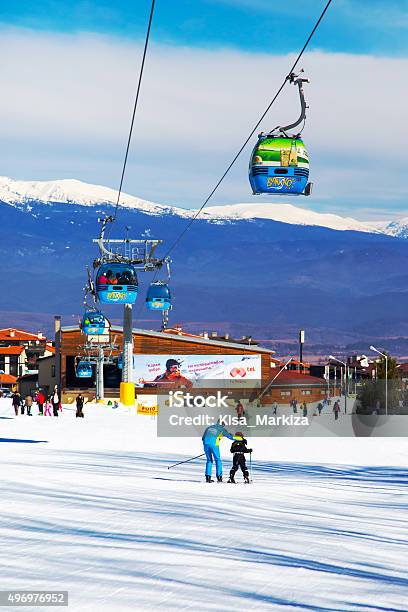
345,380
386,375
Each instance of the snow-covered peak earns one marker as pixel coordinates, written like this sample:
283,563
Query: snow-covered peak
397,228
72,191
287,213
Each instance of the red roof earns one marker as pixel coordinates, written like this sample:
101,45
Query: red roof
291,377
11,350
7,334
7,379
50,348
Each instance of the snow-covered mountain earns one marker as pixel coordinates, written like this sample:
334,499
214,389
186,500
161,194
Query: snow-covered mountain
221,267
397,228
287,213
72,191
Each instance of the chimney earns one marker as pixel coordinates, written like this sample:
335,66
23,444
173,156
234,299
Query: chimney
40,335
12,333
214,334
205,334
226,337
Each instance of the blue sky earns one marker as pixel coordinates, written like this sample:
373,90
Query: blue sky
351,26
212,68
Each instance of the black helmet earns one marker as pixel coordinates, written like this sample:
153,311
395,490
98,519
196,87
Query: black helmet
171,362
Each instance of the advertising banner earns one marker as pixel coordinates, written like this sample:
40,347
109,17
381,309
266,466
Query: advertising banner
197,371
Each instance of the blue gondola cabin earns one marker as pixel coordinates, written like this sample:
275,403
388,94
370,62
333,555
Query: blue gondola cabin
94,323
84,369
116,283
158,296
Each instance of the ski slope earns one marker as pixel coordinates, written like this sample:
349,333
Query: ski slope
89,506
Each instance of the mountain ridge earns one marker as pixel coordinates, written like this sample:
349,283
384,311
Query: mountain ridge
73,191
262,272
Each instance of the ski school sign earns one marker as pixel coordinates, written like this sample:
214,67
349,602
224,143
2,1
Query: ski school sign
197,371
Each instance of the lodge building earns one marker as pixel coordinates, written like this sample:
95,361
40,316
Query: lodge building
174,343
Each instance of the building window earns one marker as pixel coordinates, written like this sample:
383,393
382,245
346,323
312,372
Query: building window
286,393
14,365
2,363
306,392
323,392
53,371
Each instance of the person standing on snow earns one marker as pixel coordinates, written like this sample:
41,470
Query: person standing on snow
29,404
80,400
211,440
40,399
55,401
48,407
16,401
239,448
240,410
336,410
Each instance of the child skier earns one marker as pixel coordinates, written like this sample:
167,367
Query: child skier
239,448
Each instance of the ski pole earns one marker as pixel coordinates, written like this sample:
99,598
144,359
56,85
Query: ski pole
180,462
250,466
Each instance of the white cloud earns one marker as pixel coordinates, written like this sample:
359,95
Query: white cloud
66,103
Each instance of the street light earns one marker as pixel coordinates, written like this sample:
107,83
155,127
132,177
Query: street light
386,375
345,380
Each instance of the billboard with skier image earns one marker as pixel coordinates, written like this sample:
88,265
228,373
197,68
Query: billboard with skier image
164,372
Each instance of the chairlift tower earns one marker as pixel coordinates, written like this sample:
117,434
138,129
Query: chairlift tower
95,349
140,254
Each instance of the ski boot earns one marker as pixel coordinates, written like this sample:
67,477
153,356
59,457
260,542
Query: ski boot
246,478
208,479
219,478
232,479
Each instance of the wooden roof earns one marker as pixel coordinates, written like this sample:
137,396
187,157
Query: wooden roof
190,339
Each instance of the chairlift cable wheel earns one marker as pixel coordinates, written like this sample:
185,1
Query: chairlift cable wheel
256,126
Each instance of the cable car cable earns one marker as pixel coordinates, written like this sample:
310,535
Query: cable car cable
190,223
113,218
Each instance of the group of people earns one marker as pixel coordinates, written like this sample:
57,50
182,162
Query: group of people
120,278
302,407
47,405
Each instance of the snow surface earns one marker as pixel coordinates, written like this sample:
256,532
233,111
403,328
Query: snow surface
71,191
89,506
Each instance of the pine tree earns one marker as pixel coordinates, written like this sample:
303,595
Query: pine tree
373,391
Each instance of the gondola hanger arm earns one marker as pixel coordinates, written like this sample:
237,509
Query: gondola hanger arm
297,80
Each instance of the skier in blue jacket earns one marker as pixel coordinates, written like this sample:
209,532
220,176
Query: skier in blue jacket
211,441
